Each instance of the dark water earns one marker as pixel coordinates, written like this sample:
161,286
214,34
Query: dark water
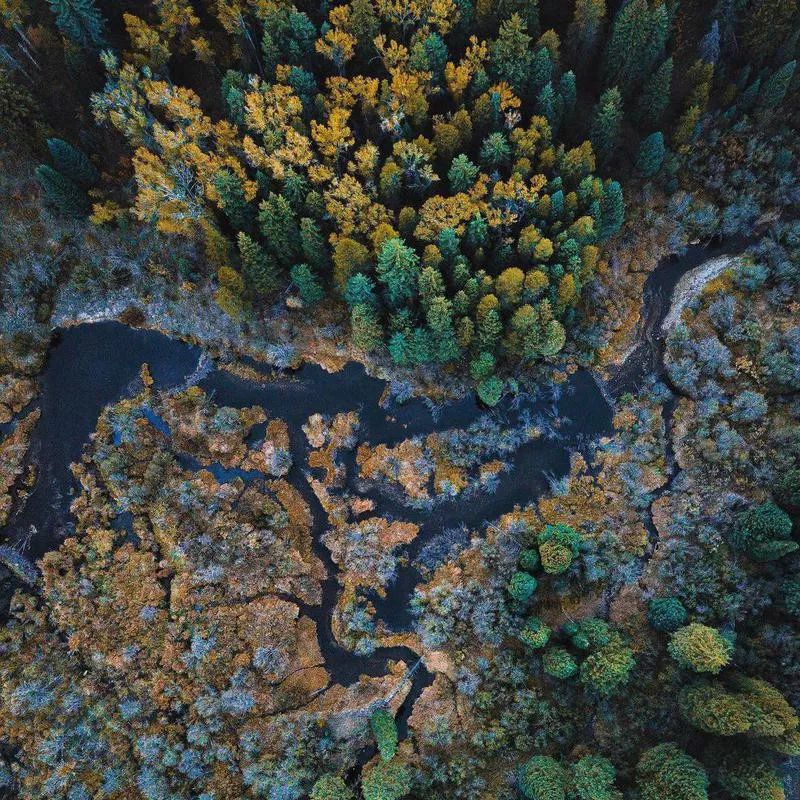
92,365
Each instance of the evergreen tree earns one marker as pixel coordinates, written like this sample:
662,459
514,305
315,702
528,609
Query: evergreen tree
613,210
462,175
233,201
585,31
606,124
776,87
512,57
73,163
593,779
331,787
360,289
397,269
80,21
386,780
543,778
313,246
278,225
651,154
665,772
666,614
367,332
70,199
700,648
638,40
384,730
558,663
710,45
521,586
258,266
307,283
655,96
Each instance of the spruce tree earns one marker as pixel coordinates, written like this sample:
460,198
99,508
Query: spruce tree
397,269
384,729
613,210
606,124
60,190
233,201
655,96
80,21
258,266
73,163
776,87
279,227
651,154
366,329
585,31
307,283
665,772
314,247
512,58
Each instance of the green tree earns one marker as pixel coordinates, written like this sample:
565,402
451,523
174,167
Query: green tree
746,775
606,124
439,316
655,96
558,545
490,390
559,663
651,154
80,21
462,174
278,225
613,207
535,634
70,199
312,243
366,329
232,200
777,86
360,289
665,772
756,529
593,778
307,283
331,787
384,729
365,26
386,780
73,163
512,55
543,778
398,269
700,648
522,586
609,667
495,150
258,266
666,614
586,30
482,366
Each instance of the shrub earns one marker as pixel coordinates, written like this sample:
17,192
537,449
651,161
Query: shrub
700,648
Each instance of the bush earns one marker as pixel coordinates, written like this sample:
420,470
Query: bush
666,614
700,648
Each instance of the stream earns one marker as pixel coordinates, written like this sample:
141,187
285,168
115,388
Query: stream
92,365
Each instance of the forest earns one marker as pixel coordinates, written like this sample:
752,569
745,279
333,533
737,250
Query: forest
400,399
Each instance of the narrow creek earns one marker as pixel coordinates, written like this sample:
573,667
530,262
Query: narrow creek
92,365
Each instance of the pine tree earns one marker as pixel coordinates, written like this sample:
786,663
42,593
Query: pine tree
710,45
80,21
655,96
312,243
512,58
613,210
367,332
258,266
279,227
637,42
776,87
606,124
233,201
397,269
307,283
593,779
384,729
462,174
586,30
70,199
651,154
360,289
386,780
73,163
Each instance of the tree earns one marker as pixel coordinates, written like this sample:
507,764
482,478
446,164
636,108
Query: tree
490,390
331,787
585,31
666,614
700,648
495,150
757,530
70,199
80,21
665,772
233,201
384,729
613,207
360,289
748,776
651,154
398,269
386,780
522,586
73,163
307,283
278,225
606,124
312,243
462,174
542,778
558,663
512,55
593,778
366,329
655,96
777,85
558,545
258,266
609,667
535,634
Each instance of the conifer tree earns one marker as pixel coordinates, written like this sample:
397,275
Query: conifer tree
613,206
397,269
384,729
655,96
278,225
70,199
776,86
366,328
80,21
233,201
258,266
543,778
360,289
606,124
307,283
512,58
651,154
73,163
585,31
312,243
665,772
